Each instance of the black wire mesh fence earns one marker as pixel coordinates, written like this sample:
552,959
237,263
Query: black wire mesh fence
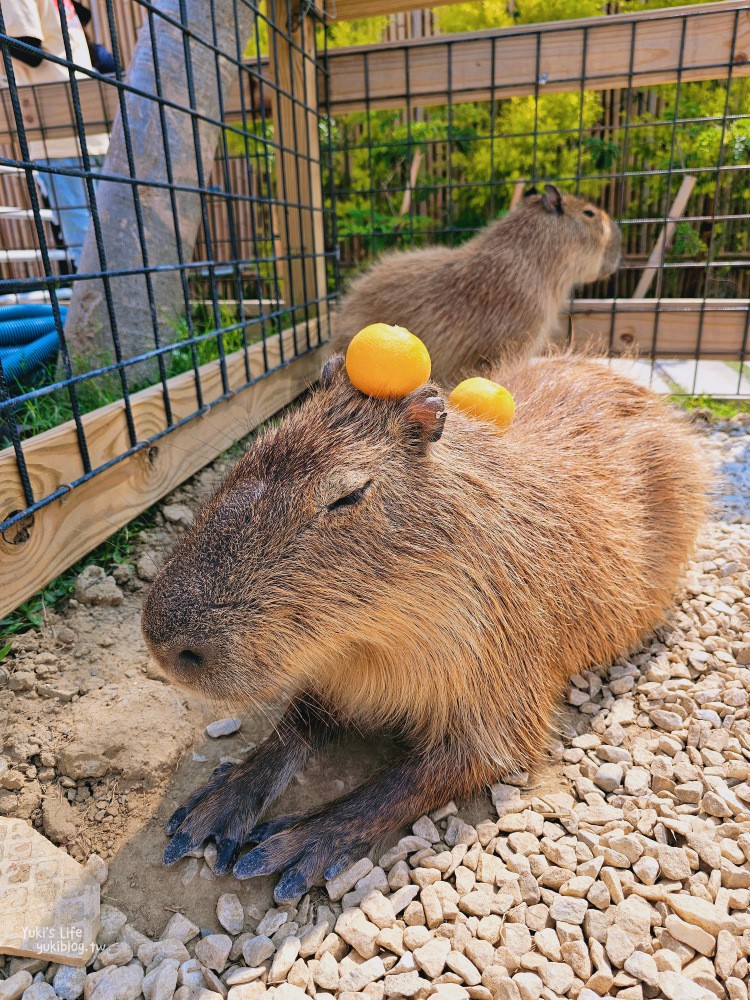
165,241
647,115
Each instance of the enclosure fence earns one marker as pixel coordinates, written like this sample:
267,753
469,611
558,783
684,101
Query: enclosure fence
646,114
175,223
195,301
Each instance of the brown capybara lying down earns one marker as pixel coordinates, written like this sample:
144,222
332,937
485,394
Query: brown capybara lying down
497,296
385,565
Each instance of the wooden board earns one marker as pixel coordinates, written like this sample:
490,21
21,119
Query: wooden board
709,32
548,58
663,328
66,529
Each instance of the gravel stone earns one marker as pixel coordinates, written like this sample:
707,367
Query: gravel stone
180,928
230,914
568,909
432,956
359,932
213,951
691,934
362,975
407,984
223,727
13,988
68,982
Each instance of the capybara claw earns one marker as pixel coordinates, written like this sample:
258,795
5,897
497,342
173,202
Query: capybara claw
226,852
292,884
180,845
175,820
255,862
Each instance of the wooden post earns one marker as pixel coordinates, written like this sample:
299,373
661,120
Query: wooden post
657,254
517,196
416,163
298,182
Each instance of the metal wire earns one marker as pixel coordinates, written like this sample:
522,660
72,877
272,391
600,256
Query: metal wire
628,149
234,277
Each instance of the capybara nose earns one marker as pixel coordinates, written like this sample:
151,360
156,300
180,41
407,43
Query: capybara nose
180,660
191,659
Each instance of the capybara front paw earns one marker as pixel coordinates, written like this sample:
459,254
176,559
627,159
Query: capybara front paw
305,853
225,809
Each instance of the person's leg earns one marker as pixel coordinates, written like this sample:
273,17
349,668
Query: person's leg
68,200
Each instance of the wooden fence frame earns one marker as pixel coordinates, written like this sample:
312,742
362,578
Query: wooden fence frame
62,531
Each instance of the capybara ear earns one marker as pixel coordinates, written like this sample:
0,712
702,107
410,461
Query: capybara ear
552,199
529,191
424,414
331,370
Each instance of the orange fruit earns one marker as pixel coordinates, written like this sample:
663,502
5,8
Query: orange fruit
485,400
387,362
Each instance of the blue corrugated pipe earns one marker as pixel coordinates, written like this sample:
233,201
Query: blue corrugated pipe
20,364
28,340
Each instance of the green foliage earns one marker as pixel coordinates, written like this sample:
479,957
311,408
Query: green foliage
535,11
720,409
686,242
473,16
364,31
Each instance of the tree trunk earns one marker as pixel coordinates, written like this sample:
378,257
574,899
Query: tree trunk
146,311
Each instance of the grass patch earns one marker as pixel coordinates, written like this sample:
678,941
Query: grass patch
721,409
42,413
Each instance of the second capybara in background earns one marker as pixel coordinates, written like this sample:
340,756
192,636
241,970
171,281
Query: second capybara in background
497,296
393,565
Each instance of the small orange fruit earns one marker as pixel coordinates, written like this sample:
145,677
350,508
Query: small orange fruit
387,362
485,400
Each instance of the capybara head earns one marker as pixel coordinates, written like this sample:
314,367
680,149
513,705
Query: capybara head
285,567
575,231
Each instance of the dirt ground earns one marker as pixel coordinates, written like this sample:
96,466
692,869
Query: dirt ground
99,750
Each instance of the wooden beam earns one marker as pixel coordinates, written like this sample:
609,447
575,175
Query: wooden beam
251,307
66,529
662,328
292,69
656,256
545,58
709,30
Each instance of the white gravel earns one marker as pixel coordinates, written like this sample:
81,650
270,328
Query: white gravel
628,876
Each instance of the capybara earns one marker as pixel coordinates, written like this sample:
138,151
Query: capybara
393,565
497,296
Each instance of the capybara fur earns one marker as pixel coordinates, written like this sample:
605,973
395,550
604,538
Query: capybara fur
497,296
388,565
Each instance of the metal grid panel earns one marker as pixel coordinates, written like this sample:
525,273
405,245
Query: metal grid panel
446,133
249,289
